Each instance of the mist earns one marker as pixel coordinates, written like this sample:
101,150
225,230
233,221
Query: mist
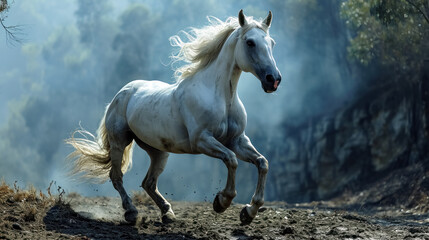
77,54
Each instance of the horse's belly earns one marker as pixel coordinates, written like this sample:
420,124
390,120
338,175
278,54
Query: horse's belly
151,118
173,141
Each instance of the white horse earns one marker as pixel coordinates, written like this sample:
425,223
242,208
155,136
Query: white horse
200,113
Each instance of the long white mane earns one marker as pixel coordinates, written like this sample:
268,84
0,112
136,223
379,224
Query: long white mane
204,44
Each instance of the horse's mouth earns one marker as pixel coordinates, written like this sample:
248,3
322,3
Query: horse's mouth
268,90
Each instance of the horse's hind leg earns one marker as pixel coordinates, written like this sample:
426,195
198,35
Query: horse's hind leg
116,154
157,165
120,139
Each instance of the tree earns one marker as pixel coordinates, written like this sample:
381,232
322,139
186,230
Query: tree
394,33
133,44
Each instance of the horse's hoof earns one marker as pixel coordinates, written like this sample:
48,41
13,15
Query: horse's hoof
216,205
245,218
131,216
169,217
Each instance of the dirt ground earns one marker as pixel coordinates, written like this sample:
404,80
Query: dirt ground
30,214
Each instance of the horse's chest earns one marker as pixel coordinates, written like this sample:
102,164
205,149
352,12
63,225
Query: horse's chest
221,130
227,129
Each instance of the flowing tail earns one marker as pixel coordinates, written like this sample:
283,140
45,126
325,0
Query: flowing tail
91,158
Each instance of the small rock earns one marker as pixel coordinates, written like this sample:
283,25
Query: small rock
333,231
292,221
262,209
415,230
287,230
354,217
16,226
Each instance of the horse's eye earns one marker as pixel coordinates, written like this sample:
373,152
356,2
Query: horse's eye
250,43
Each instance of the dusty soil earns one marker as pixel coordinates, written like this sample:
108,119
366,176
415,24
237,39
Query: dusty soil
31,215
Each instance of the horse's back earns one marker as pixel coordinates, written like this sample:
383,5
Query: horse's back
147,96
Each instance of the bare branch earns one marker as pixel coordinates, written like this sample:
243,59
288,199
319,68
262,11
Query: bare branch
12,32
421,11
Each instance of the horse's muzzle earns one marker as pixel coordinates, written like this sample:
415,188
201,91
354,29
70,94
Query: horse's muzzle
271,83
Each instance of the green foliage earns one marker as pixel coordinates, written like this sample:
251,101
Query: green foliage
396,33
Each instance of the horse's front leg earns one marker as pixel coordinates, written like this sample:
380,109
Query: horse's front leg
245,151
208,145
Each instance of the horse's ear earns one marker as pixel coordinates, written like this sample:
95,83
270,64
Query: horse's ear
267,20
242,19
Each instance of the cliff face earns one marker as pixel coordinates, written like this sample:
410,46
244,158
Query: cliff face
382,130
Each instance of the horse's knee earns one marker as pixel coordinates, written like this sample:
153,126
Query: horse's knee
149,185
233,163
230,161
262,164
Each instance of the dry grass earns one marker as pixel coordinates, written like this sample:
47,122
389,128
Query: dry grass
15,194
5,192
29,203
30,213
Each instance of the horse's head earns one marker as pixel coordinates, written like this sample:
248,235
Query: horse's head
254,52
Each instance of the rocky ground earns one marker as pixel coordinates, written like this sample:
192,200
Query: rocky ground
29,214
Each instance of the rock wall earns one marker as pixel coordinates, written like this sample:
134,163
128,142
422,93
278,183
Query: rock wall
383,129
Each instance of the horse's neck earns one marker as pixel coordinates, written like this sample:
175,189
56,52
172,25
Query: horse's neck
224,72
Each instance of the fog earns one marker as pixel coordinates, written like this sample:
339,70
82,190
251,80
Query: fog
76,54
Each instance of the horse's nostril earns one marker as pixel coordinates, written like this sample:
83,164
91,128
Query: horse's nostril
270,78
